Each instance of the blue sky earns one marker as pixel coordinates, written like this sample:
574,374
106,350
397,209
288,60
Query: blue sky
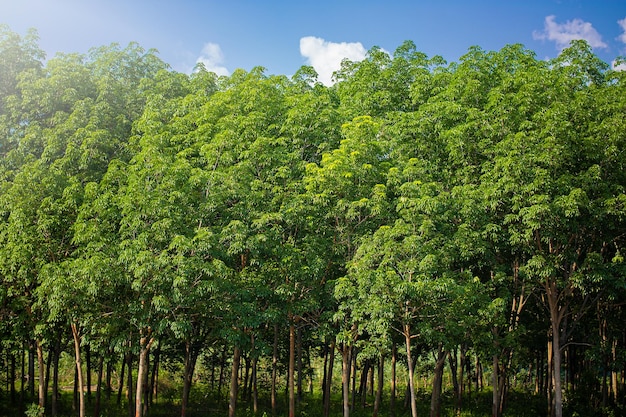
283,35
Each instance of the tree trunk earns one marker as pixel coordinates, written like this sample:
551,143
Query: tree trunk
392,394
495,398
407,339
299,364
154,381
190,364
42,375
54,408
556,351
46,384
31,369
12,378
379,386
291,376
274,369
120,388
234,382
614,384
462,361
329,378
109,370
246,375
454,368
96,408
363,383
346,362
435,398
129,384
557,313
79,373
255,392
353,378
88,373
22,386
220,383
145,342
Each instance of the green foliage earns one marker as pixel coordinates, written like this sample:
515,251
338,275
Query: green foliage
454,200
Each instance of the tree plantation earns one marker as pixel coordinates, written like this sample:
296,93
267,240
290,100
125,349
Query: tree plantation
420,238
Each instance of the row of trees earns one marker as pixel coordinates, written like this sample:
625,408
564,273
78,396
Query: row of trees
467,209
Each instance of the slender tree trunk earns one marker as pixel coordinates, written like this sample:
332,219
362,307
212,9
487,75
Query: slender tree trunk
190,364
274,369
146,386
246,375
407,339
54,408
363,383
41,366
222,367
13,376
614,384
96,408
495,398
379,386
46,384
299,363
145,342
88,373
22,386
454,368
329,378
255,392
346,361
120,388
129,383
31,369
234,382
325,372
353,378
291,377
79,373
435,399
109,371
557,313
253,382
556,351
462,360
394,364
154,382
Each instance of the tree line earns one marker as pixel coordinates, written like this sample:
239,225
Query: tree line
467,215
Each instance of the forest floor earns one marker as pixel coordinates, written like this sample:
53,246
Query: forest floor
478,405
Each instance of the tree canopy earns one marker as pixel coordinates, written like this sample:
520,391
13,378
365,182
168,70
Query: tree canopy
467,209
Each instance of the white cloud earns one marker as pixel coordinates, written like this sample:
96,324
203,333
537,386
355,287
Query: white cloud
213,58
620,67
622,23
563,33
326,56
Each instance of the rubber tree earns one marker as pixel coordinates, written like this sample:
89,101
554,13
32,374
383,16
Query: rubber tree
347,187
552,177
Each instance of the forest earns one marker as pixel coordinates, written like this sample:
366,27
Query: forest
420,238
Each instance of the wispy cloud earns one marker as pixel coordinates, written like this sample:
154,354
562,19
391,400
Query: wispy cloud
326,56
622,24
621,65
563,33
213,58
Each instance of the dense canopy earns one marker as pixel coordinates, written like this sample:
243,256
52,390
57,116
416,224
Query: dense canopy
440,227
